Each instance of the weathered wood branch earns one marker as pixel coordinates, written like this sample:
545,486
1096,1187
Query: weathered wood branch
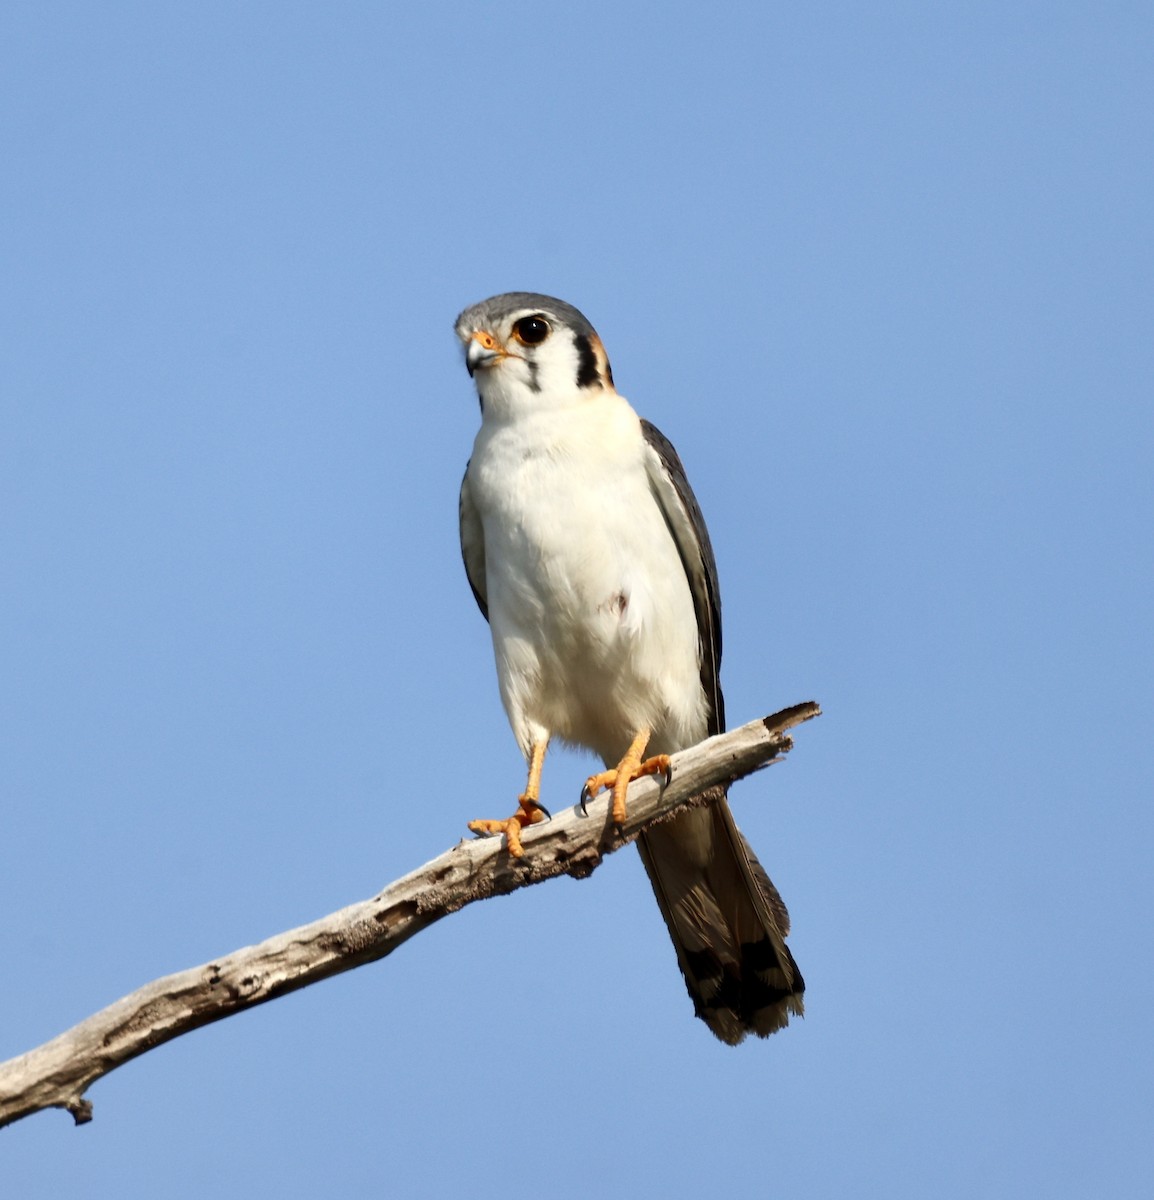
57,1074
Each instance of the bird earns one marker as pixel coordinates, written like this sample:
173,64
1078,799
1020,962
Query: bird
587,552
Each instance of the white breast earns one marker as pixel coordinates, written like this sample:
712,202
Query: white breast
592,619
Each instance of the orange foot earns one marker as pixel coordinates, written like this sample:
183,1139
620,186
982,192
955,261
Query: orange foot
529,811
628,769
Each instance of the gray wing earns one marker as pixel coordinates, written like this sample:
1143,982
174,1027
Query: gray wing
683,516
725,917
473,545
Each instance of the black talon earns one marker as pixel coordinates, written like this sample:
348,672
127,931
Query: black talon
537,804
585,798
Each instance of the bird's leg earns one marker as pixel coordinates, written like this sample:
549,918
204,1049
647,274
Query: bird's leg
529,811
629,768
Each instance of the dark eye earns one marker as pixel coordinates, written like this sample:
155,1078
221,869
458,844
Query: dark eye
531,331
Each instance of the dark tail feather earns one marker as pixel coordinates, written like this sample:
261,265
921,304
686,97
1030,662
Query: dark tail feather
727,922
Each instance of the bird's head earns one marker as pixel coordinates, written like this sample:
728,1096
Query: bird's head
527,352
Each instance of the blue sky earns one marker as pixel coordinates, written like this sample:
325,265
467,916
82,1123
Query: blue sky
883,274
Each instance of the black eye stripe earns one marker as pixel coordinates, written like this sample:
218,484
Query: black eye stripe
587,373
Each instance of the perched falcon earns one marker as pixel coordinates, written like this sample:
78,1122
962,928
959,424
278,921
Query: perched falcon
587,552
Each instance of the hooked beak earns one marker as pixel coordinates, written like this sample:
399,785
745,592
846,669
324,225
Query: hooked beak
482,351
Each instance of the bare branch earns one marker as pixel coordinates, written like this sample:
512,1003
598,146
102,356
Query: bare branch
57,1074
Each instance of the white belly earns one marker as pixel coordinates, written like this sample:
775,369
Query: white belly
592,619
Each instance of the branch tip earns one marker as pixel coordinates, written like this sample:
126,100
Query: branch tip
790,717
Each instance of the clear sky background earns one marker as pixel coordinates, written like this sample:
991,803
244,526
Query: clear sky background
883,274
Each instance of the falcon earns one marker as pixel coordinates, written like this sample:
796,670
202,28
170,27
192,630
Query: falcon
588,555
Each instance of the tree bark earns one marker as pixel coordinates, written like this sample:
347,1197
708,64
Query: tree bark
58,1073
